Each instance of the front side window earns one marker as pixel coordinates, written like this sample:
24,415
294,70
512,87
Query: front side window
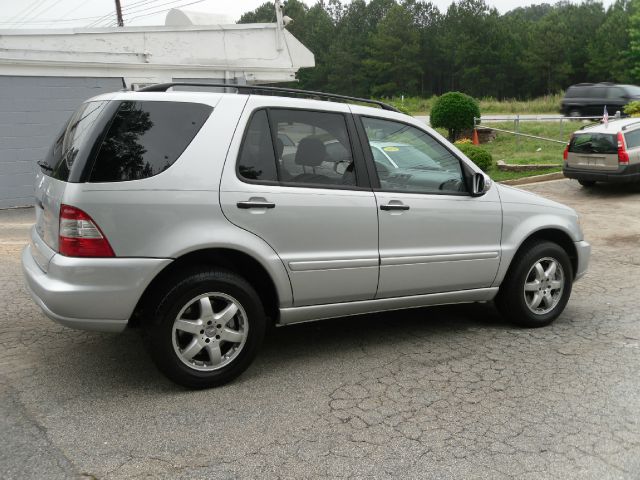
410,160
311,149
145,138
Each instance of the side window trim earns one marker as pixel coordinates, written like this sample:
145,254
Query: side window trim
362,176
373,174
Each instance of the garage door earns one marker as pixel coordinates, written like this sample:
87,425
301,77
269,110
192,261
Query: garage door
32,111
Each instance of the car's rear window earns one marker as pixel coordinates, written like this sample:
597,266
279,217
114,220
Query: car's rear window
588,142
632,139
71,140
145,138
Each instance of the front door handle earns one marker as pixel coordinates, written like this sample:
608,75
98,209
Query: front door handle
394,206
255,204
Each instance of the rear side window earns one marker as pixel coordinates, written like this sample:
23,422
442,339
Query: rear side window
573,92
632,139
145,138
298,147
604,143
257,158
71,140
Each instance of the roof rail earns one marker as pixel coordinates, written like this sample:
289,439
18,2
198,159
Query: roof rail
630,124
256,89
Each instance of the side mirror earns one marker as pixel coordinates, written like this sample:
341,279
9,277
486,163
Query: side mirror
477,183
480,185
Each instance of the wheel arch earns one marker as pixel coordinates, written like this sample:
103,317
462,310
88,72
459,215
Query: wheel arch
551,234
231,259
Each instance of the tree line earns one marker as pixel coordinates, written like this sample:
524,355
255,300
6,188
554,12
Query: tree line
388,47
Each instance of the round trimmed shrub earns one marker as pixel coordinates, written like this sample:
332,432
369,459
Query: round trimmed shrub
455,112
479,156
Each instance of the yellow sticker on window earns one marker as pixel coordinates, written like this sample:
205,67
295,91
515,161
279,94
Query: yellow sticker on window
391,149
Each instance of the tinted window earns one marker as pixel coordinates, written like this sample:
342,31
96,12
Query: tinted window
146,138
597,92
606,143
409,159
71,140
312,148
615,93
321,153
257,159
632,139
573,92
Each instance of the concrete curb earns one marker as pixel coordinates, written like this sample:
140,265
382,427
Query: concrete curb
535,179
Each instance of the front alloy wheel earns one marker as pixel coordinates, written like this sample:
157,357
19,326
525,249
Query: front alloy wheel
537,286
544,286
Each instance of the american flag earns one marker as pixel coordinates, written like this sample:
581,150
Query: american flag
605,117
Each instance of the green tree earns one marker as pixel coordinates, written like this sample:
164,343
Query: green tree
634,39
608,51
394,47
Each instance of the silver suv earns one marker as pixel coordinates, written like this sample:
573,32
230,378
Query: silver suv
606,152
204,217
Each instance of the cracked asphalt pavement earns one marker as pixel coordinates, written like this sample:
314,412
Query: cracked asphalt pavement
445,392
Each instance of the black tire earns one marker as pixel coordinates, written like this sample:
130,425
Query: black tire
176,297
587,183
575,112
511,299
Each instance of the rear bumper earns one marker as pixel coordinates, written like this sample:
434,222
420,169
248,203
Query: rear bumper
584,254
624,174
89,294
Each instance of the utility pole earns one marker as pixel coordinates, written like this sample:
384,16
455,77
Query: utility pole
119,14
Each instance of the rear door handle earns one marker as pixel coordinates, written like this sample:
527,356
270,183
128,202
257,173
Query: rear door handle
394,206
255,204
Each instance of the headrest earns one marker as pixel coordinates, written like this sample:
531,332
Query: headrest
311,152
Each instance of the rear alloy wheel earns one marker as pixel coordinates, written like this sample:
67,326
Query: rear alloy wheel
207,329
587,183
537,286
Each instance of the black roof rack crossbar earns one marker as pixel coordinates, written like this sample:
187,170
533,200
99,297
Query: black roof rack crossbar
255,89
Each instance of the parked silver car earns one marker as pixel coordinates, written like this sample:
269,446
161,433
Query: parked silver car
185,213
605,152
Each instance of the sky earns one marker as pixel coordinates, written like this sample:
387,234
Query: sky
84,13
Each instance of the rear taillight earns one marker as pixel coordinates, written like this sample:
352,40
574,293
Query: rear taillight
623,156
80,236
565,154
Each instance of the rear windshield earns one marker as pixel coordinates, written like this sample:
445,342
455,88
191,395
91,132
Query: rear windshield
70,141
146,138
605,143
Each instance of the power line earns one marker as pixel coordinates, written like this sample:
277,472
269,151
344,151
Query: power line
21,12
165,10
108,17
20,18
45,10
